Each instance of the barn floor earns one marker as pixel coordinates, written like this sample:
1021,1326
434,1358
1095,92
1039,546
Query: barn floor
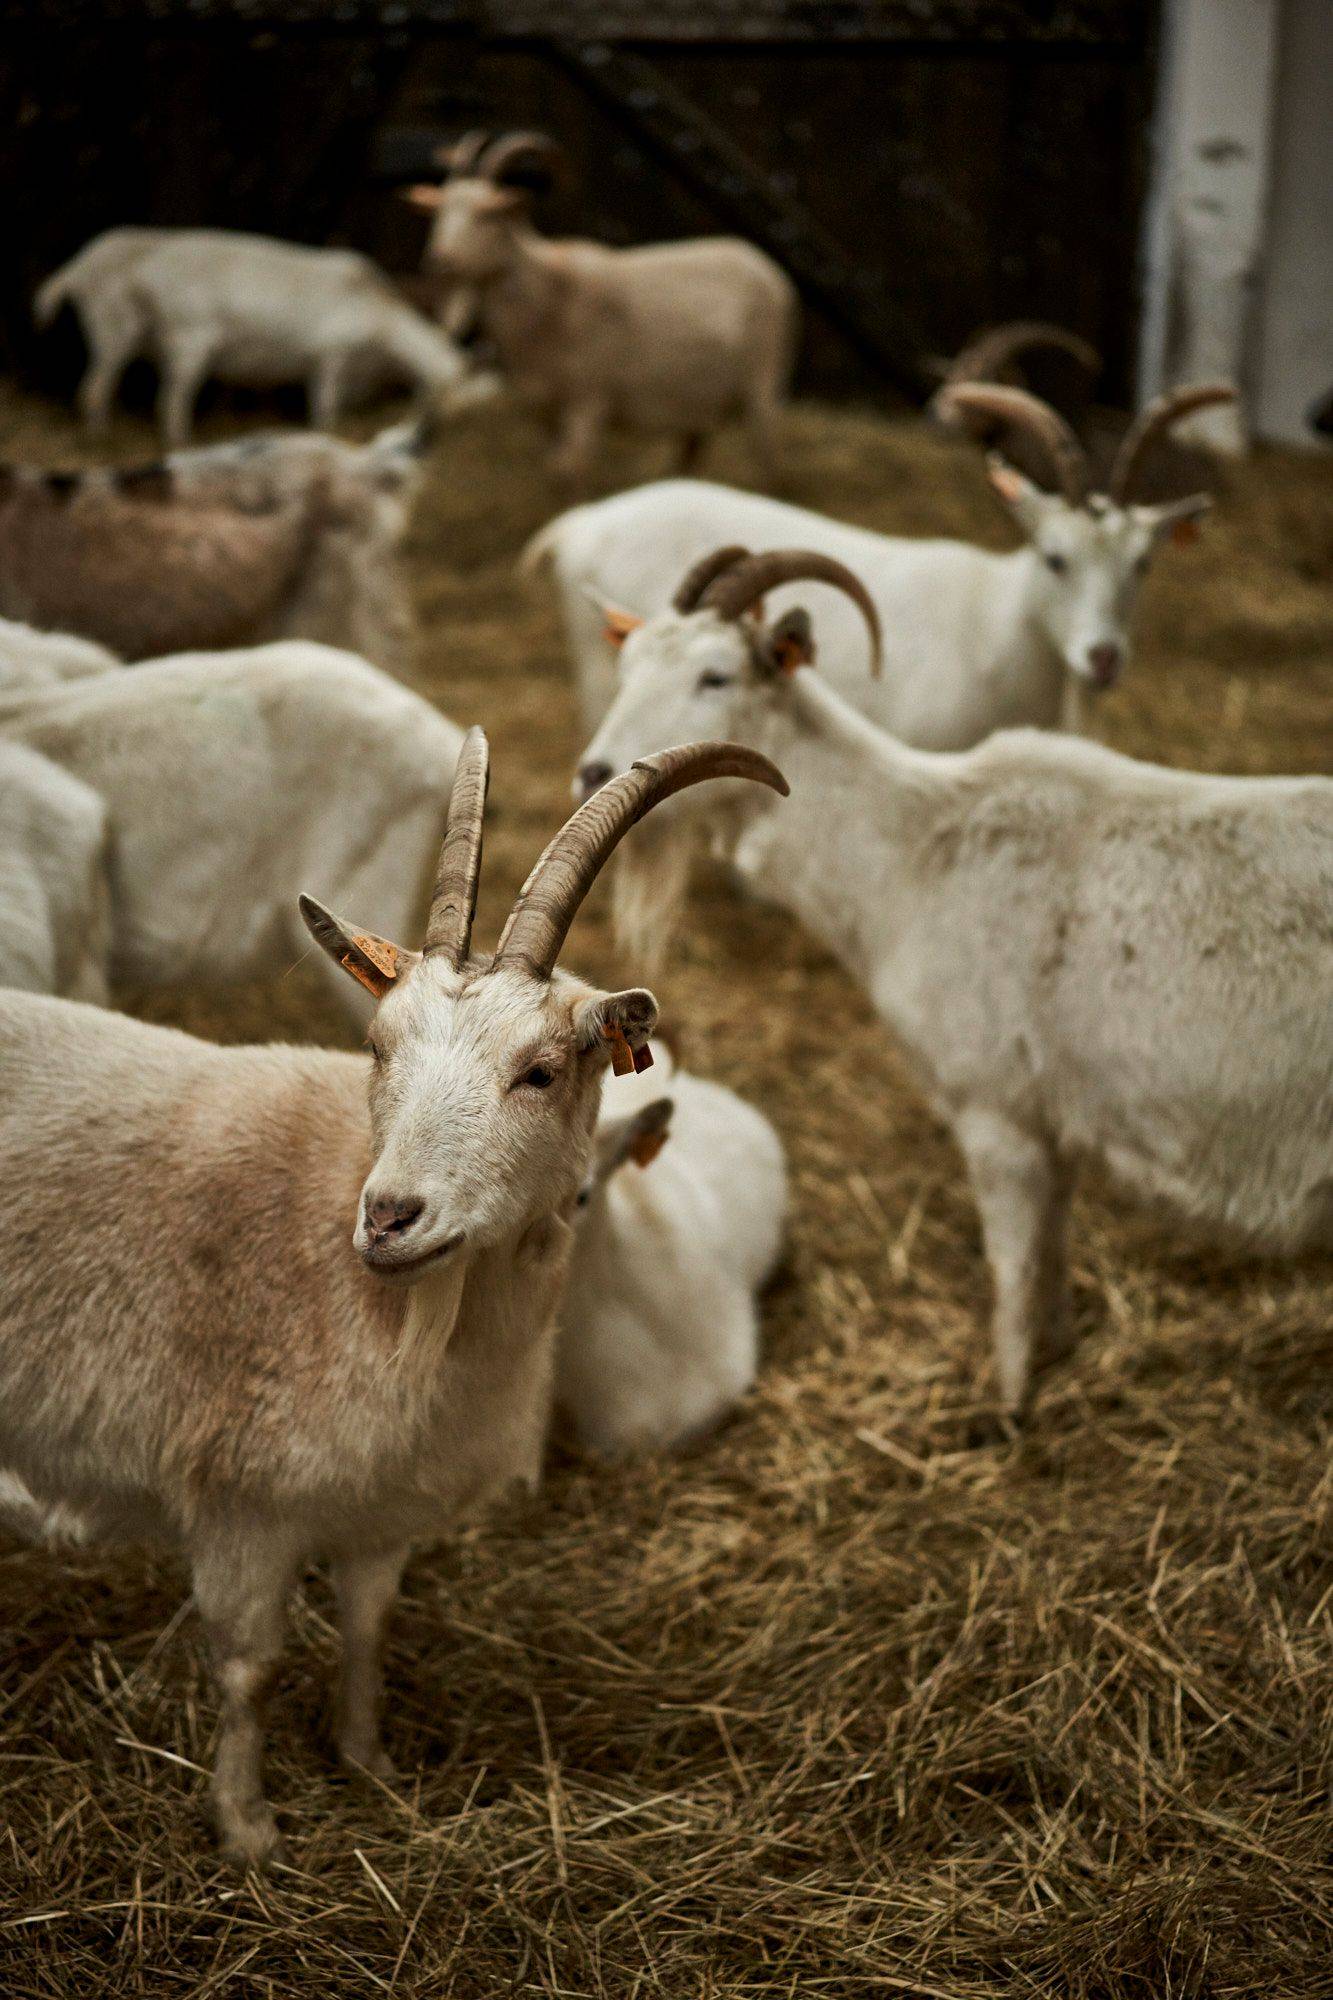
844,1703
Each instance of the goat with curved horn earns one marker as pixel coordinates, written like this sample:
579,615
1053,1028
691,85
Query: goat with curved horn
551,897
454,902
743,582
462,155
513,151
1152,422
700,575
1046,427
981,358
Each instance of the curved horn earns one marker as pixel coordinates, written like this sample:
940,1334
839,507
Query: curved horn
1148,426
454,902
737,588
462,156
519,149
1045,426
701,574
982,357
549,900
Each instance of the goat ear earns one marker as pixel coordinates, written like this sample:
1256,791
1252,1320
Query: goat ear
373,961
1023,499
640,1138
1179,520
619,1024
423,194
617,623
791,642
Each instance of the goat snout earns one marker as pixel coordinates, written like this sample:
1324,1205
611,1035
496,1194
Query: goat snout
592,777
1104,664
385,1219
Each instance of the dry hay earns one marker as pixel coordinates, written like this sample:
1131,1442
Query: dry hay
845,1703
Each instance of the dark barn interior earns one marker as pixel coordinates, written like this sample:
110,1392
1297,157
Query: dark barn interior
1000,147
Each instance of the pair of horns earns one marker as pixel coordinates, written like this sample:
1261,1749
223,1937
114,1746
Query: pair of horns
731,580
1065,455
481,156
551,897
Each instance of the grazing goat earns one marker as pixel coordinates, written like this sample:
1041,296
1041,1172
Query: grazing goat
1085,957
229,781
977,641
279,537
280,1303
670,337
30,659
244,309
659,1332
54,913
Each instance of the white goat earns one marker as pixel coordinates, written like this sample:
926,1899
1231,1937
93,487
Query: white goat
245,309
976,641
659,1332
231,779
1085,957
54,911
280,536
669,337
30,659
198,1336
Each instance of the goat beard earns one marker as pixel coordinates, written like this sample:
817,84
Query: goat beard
650,882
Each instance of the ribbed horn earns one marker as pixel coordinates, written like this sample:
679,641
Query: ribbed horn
1046,427
519,149
550,899
462,156
454,902
1149,425
982,357
740,586
698,577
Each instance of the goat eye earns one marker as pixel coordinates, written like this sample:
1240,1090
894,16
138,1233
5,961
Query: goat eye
1054,562
538,1077
710,678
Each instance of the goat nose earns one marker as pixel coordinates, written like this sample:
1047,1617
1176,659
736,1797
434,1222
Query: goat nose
1105,663
391,1218
592,777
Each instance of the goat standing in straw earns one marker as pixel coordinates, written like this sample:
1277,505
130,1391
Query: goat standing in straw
280,1303
976,641
1084,957
670,337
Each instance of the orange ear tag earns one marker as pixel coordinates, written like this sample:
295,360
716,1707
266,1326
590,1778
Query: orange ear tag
1183,533
622,1055
647,1147
643,1059
382,955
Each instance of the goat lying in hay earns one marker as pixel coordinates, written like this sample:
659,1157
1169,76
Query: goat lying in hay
278,537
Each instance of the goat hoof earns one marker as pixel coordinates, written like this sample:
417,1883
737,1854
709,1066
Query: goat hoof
253,1844
372,1763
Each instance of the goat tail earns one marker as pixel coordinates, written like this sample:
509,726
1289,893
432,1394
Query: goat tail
52,294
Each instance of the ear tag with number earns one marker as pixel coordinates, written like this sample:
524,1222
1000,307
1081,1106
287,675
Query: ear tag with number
382,955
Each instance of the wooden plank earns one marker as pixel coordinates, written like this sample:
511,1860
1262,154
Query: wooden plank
1103,23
